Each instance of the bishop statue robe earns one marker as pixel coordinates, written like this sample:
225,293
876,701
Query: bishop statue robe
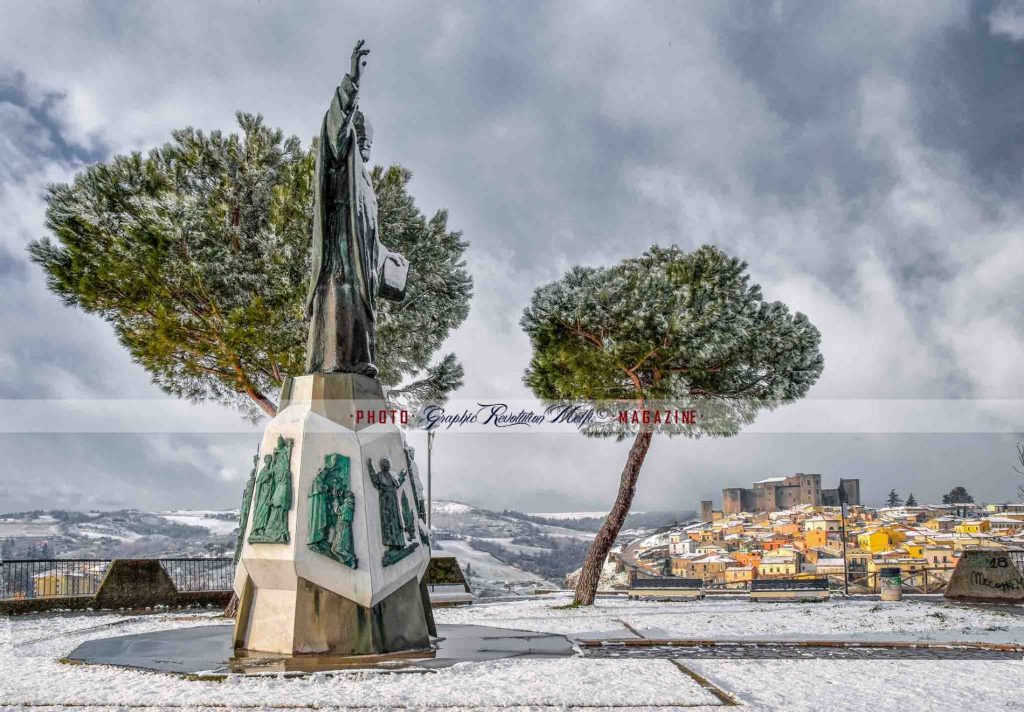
350,266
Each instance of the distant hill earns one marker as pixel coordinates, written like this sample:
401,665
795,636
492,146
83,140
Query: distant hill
120,533
500,552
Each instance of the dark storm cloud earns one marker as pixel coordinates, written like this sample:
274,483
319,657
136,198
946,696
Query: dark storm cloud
155,472
813,87
970,99
12,268
41,137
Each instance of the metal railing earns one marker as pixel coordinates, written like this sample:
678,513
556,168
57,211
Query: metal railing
51,578
862,582
200,574
920,581
39,578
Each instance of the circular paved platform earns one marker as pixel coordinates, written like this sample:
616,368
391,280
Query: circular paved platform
207,650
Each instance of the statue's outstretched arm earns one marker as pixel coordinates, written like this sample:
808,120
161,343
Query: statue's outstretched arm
344,103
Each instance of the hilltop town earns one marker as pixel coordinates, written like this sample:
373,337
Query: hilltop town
797,530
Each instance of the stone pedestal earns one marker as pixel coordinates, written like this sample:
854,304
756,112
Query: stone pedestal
320,588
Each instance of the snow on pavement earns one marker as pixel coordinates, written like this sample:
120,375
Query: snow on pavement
31,674
875,685
921,619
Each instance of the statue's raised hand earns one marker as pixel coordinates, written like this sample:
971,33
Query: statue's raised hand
357,60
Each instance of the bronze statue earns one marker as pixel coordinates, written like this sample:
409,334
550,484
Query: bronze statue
274,497
350,265
243,513
264,488
331,510
392,530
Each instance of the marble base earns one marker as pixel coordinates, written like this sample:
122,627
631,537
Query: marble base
295,600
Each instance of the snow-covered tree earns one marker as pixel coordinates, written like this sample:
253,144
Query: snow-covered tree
911,501
893,500
198,254
957,495
686,331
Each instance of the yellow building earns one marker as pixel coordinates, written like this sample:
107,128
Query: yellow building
905,564
739,576
709,568
940,524
822,523
880,539
974,526
939,557
777,566
858,558
61,583
915,550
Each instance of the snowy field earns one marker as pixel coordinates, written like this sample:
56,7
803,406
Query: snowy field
31,676
572,515
217,522
484,565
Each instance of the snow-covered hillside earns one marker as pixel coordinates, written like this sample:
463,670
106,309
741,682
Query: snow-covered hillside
500,552
503,551
119,533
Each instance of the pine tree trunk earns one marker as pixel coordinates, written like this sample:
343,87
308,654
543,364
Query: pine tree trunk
586,587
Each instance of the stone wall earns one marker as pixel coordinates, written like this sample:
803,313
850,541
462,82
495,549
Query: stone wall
445,570
991,576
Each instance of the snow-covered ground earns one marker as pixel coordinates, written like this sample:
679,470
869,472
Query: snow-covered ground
32,676
922,619
868,685
572,515
442,507
485,566
40,528
218,522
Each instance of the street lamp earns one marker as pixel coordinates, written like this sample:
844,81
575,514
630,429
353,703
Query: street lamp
430,502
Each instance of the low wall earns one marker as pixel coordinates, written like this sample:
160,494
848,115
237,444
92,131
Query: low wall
126,584
444,570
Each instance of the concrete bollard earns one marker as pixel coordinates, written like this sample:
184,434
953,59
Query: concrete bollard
891,585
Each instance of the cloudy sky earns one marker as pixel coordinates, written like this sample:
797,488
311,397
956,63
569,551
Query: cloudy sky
864,158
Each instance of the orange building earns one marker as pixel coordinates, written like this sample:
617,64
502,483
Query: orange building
774,542
816,538
747,558
789,529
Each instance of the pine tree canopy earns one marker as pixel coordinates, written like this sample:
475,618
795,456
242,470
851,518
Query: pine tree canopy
198,254
957,495
674,327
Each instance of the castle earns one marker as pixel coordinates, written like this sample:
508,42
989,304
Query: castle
778,493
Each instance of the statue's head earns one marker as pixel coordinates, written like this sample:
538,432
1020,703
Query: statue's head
412,452
364,135
267,459
385,464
